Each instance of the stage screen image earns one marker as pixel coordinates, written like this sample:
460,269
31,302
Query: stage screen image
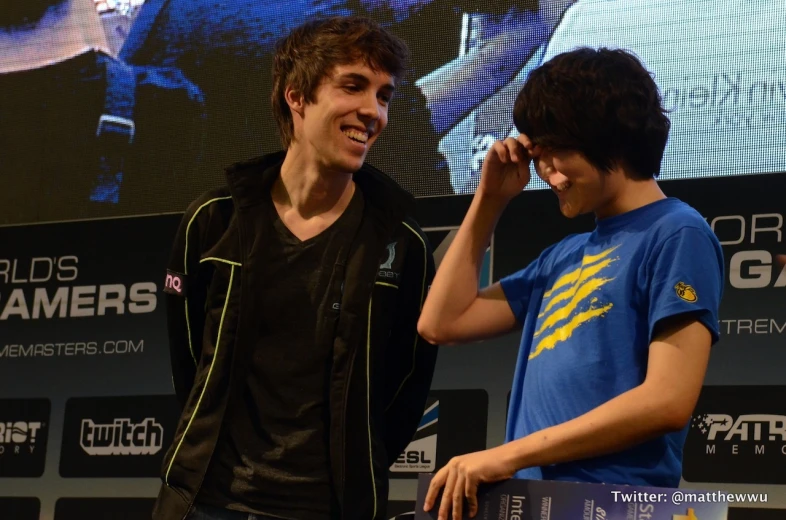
132,107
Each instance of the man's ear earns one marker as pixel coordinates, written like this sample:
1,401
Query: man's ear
295,100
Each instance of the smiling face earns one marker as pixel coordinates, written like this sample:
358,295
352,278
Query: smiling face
349,111
580,187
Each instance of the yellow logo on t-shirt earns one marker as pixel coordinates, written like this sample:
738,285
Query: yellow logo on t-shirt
686,292
565,302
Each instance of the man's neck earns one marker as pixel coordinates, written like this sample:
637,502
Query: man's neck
63,33
309,191
634,194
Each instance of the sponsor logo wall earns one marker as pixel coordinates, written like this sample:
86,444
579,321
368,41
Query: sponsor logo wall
84,360
87,396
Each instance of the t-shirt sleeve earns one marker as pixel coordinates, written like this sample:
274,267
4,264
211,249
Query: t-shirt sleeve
686,276
518,289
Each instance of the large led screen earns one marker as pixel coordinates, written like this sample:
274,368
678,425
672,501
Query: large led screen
127,107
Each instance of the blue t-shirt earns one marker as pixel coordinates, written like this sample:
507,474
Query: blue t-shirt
588,306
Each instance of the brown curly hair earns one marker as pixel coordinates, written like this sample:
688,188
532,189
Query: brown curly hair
304,57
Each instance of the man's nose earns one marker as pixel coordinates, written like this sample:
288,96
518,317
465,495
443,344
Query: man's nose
546,171
370,108
556,178
543,167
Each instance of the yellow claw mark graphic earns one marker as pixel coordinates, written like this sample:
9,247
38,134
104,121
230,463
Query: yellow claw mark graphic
564,332
579,285
572,276
582,293
587,273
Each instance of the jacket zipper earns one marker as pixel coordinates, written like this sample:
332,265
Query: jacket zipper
368,403
368,411
343,454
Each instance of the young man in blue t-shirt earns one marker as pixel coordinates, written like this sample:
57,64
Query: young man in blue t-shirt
617,323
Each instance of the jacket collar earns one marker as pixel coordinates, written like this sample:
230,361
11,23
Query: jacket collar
249,180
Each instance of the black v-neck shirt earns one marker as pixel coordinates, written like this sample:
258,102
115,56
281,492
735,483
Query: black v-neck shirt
273,453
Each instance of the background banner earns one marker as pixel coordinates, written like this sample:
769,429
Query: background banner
84,361
88,410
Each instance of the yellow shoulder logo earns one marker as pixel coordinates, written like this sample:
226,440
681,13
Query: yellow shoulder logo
686,292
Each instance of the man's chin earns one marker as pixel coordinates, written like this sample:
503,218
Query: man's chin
356,164
349,164
569,211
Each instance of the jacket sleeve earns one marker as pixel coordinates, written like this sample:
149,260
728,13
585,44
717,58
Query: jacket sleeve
185,307
411,359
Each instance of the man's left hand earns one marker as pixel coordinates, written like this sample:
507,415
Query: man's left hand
461,477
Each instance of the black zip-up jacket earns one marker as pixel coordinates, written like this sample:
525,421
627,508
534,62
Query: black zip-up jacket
381,368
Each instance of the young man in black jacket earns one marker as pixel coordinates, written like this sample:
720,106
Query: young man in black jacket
293,298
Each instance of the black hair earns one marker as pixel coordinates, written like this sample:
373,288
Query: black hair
602,103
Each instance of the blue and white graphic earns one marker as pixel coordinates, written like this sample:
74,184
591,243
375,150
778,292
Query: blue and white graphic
421,454
721,80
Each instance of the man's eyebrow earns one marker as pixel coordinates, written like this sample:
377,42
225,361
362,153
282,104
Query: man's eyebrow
363,80
354,76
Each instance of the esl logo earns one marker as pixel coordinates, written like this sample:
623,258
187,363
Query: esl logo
436,441
421,454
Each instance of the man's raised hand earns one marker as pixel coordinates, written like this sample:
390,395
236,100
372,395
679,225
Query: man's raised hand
505,170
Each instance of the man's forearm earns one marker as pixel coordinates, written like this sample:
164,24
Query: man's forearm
455,285
633,417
